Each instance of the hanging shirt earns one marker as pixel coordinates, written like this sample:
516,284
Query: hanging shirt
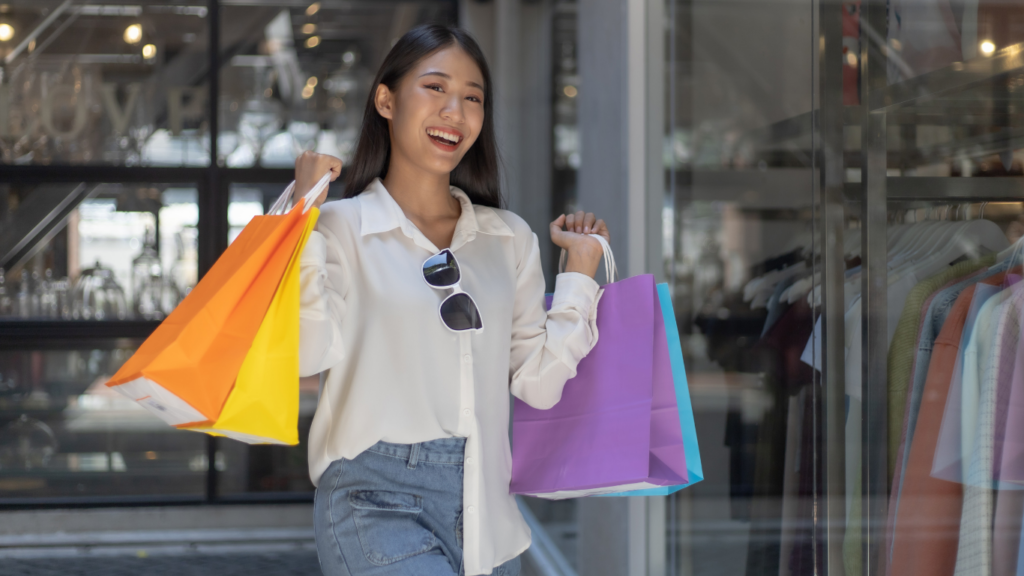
981,370
396,373
925,533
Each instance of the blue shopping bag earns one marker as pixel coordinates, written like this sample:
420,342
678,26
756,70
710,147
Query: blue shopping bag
695,473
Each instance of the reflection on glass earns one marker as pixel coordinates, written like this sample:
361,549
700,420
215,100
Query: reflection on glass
63,433
300,83
250,468
96,251
76,94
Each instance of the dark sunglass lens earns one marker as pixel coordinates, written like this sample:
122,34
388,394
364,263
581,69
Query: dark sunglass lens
458,312
441,270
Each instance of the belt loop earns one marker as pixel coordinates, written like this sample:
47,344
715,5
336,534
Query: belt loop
414,454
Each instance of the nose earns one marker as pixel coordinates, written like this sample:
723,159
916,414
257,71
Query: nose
452,110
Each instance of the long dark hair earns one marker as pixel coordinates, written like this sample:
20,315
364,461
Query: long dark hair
477,173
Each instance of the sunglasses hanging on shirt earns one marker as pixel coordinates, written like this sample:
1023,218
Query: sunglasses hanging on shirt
458,311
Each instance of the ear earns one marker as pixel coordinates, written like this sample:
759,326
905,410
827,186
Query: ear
384,100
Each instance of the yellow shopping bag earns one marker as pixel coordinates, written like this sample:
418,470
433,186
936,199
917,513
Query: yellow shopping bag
263,407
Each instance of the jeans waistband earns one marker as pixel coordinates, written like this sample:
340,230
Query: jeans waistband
438,451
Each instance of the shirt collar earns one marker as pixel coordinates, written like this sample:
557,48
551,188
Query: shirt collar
380,213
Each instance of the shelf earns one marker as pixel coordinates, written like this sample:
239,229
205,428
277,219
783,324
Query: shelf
946,189
774,188
964,94
955,78
71,334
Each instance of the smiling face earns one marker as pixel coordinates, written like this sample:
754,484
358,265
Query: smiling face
436,111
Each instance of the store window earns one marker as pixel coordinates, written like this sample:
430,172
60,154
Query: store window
296,78
65,435
120,84
96,252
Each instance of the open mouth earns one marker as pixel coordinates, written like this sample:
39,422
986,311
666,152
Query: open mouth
445,139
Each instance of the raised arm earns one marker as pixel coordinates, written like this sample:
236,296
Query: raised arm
324,276
548,345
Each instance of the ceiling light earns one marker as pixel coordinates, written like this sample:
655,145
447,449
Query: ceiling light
311,81
348,57
570,91
307,92
308,28
851,59
987,47
6,32
312,42
313,9
148,51
133,34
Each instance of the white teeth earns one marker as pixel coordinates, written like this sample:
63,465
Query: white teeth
449,137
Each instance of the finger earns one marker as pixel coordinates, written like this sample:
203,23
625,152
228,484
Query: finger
570,222
579,222
555,228
335,167
602,229
588,223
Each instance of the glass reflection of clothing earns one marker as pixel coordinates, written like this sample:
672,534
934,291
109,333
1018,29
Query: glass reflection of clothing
395,373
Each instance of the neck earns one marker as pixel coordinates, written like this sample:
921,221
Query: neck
420,193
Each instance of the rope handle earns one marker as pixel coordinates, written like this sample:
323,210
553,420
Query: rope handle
610,270
283,203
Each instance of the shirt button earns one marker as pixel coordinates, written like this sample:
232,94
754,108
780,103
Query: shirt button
469,460
467,358
466,411
471,509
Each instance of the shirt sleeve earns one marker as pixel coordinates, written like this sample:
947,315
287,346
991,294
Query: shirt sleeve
323,284
548,345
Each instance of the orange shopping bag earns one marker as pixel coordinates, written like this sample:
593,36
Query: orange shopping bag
185,371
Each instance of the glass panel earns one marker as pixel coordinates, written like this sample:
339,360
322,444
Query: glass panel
248,200
117,83
739,258
949,162
263,468
63,433
84,251
298,77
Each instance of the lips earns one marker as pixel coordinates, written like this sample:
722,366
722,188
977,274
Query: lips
447,139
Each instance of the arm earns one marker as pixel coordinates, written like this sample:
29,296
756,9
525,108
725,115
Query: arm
548,345
324,284
323,277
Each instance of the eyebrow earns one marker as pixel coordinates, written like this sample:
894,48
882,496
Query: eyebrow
448,77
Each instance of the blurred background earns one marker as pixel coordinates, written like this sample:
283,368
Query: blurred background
722,141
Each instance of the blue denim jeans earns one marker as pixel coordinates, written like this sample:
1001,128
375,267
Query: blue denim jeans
395,510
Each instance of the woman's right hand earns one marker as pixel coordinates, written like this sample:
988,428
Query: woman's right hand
310,167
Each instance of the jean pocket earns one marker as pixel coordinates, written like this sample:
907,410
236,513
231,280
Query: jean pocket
387,525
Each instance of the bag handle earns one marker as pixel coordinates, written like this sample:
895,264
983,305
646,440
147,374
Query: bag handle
611,272
283,203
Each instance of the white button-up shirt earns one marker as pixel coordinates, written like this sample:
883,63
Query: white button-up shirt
396,373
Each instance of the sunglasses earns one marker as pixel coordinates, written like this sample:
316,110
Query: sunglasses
458,311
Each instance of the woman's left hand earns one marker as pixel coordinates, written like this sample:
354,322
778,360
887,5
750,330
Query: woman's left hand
569,231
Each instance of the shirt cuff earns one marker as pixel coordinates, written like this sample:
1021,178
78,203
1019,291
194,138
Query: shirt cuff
576,290
315,251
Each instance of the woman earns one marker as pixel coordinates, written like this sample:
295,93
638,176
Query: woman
424,303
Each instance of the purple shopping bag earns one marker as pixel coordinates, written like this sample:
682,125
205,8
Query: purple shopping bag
617,425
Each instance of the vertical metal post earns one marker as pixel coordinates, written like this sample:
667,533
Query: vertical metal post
874,307
212,203
831,389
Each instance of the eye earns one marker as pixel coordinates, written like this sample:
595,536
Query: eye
434,87
473,98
